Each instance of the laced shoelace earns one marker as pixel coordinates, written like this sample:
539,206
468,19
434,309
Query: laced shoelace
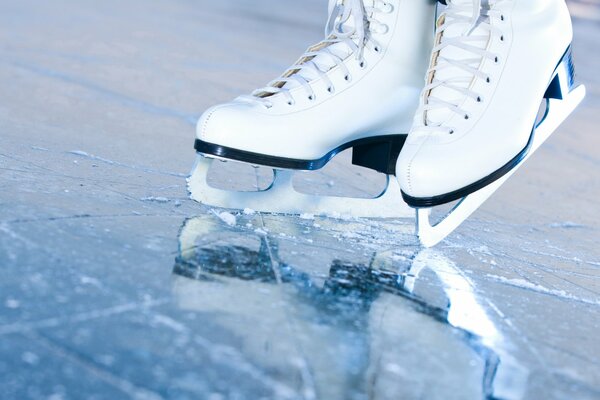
480,19
355,35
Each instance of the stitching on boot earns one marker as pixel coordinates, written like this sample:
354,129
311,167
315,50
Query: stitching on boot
410,163
205,123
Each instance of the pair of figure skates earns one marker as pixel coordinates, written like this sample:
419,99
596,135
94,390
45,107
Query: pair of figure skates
499,81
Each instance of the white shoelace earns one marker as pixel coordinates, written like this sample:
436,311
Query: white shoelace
350,23
470,30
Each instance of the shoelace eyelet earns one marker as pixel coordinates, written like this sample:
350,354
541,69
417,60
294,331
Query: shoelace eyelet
479,99
291,103
376,49
362,64
387,8
330,89
347,78
311,97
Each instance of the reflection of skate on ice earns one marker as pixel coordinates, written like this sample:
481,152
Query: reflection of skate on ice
367,328
492,65
439,287
271,311
356,89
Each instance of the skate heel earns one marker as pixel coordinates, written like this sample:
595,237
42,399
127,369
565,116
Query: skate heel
563,81
379,154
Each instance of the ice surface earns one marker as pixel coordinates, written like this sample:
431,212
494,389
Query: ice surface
226,217
106,292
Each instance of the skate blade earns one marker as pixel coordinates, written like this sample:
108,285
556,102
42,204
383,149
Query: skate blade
431,234
281,197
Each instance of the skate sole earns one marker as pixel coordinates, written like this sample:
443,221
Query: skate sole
378,153
554,91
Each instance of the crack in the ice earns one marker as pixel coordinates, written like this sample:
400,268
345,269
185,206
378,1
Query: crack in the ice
13,169
99,182
594,263
558,257
554,347
55,173
228,356
124,385
307,375
533,287
21,327
543,268
84,216
89,156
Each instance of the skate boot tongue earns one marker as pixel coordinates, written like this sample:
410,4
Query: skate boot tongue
461,31
346,20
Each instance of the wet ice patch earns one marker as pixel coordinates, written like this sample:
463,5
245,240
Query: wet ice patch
88,280
12,303
105,359
30,358
395,369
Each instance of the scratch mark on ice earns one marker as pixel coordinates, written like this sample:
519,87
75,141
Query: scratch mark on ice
132,390
524,284
20,327
108,94
89,156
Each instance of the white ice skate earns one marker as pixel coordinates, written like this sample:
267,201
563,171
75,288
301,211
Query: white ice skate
479,118
356,89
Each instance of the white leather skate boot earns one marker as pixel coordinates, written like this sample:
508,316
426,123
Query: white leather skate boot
492,65
357,89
